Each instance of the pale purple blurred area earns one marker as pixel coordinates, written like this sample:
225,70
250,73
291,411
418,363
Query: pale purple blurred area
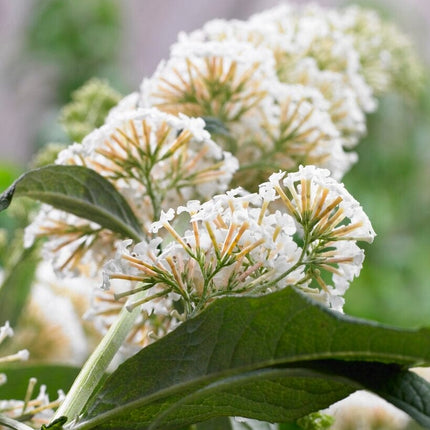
150,27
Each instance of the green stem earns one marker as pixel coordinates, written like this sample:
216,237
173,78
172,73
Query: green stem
95,367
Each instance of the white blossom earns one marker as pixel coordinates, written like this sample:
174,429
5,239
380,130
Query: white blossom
365,410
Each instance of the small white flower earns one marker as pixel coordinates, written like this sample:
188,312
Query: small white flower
23,355
267,192
5,331
366,410
192,207
226,80
165,217
126,104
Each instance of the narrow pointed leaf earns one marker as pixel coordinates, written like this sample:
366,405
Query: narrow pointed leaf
236,336
79,191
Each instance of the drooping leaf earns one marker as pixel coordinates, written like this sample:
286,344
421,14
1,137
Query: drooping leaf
236,337
79,191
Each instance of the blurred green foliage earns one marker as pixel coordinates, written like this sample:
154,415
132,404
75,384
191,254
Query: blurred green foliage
80,38
16,217
72,41
392,182
47,155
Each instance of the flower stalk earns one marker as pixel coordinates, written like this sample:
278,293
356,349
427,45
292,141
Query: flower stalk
95,367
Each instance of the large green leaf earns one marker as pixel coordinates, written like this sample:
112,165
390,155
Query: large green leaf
289,393
272,394
80,191
237,338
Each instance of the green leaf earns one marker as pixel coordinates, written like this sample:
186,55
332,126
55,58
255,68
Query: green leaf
402,388
79,191
56,424
236,339
216,126
55,378
16,285
290,426
267,395
213,424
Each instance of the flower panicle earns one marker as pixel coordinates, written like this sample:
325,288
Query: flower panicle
299,230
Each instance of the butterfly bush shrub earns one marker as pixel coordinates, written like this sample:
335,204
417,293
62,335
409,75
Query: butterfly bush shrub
216,186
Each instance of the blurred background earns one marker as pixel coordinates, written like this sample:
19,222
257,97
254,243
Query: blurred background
51,47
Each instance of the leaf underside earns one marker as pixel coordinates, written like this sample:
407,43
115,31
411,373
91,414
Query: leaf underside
79,191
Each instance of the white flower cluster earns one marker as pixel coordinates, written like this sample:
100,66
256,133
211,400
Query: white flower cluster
291,84
289,87
388,62
365,410
297,228
154,159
